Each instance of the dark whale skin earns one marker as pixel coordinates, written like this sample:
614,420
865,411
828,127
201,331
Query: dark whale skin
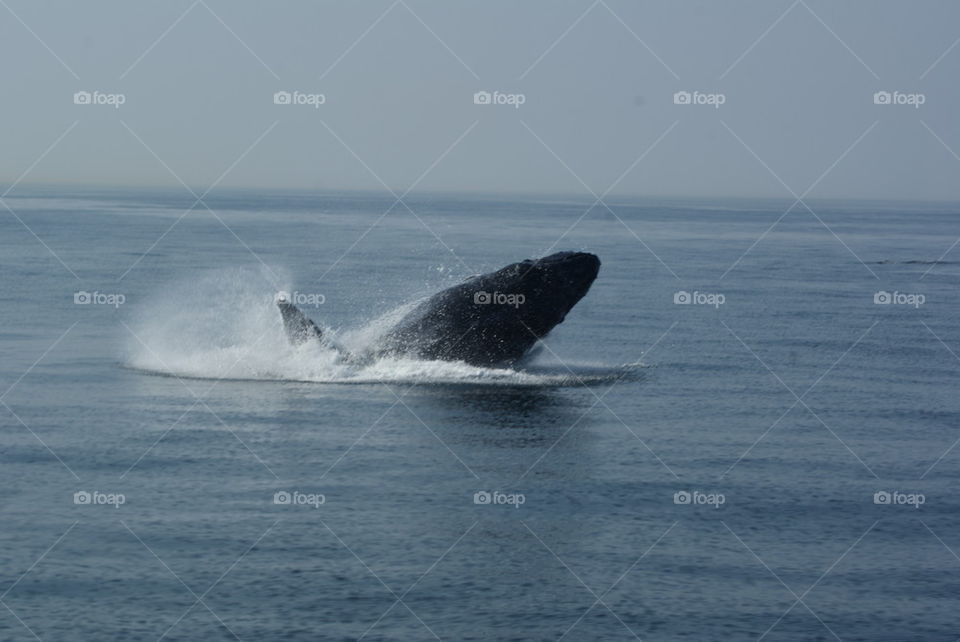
461,324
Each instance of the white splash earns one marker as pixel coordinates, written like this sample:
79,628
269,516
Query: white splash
225,326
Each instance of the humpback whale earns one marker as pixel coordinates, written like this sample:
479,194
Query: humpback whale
490,319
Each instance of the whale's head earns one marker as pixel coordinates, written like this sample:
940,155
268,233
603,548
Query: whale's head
538,293
497,317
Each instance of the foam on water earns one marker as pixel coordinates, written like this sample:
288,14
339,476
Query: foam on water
226,326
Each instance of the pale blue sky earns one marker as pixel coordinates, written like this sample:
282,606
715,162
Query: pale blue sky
598,79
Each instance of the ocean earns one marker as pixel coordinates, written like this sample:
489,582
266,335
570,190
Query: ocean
746,430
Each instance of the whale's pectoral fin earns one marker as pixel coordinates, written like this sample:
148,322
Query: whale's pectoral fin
299,328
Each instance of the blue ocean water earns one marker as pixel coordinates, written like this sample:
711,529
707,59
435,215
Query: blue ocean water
774,459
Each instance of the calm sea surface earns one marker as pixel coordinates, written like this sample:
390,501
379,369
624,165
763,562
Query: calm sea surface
773,459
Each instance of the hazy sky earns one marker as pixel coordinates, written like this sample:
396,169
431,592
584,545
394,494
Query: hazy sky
796,81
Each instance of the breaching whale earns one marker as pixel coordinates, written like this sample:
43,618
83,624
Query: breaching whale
490,319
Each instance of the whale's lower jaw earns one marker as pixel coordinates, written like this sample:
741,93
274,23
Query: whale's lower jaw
477,352
461,335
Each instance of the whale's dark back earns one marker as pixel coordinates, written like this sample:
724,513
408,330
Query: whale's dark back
495,318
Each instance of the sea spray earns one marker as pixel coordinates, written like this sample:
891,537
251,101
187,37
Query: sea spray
224,325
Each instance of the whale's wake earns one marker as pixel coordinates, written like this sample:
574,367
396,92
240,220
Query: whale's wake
226,326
